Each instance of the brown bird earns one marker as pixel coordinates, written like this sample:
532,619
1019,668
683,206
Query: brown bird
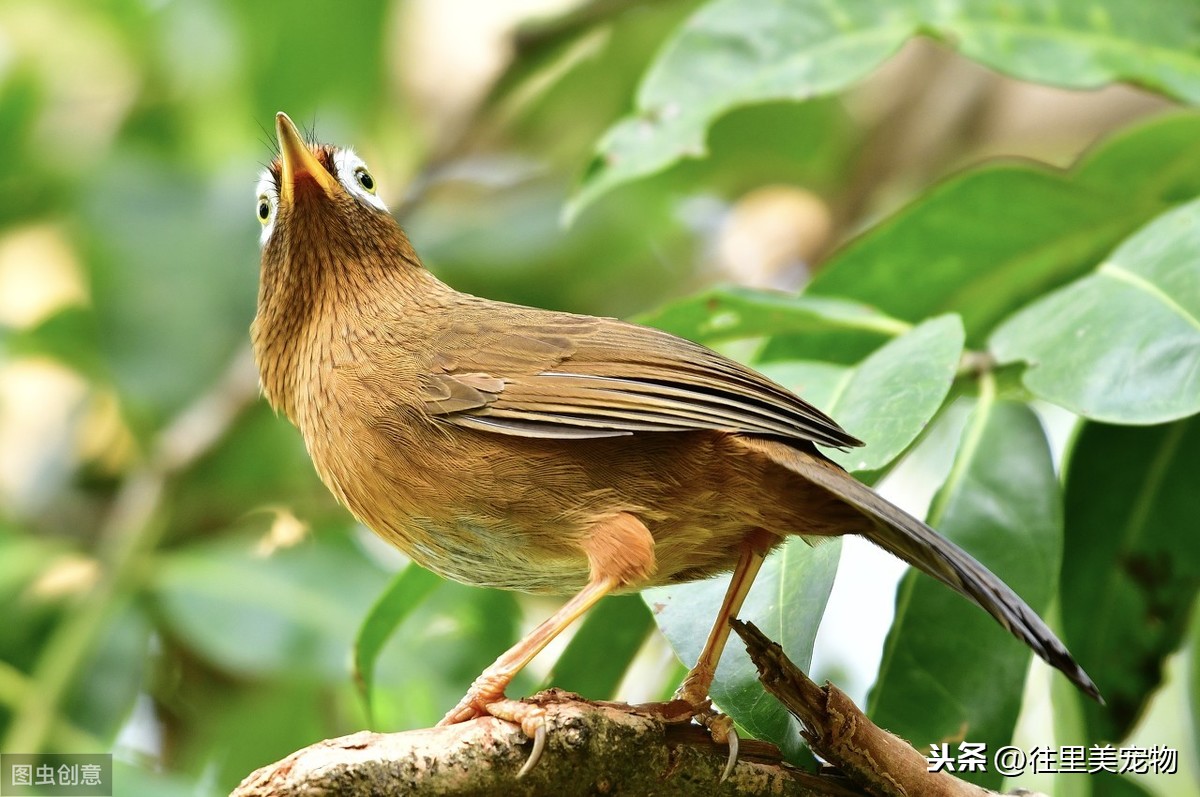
512,447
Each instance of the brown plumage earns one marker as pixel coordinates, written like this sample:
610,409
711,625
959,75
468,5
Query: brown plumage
521,448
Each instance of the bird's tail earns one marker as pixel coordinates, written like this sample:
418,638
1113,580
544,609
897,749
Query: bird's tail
922,547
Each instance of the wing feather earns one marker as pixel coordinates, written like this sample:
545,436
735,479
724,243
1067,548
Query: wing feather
559,375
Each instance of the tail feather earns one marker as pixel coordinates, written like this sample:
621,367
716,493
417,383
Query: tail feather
916,543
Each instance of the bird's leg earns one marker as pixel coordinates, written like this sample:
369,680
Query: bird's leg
620,551
699,679
489,687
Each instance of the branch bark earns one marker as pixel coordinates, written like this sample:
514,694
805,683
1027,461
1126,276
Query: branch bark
598,747
604,748
880,762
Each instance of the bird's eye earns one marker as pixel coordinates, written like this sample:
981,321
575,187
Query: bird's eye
264,209
365,179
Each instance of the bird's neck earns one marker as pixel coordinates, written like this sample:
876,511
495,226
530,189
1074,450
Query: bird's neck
315,306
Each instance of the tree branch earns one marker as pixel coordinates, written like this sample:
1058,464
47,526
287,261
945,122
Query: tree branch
628,749
880,762
647,749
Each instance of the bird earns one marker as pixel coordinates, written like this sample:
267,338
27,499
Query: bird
527,449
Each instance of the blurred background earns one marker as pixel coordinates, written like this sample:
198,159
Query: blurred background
177,585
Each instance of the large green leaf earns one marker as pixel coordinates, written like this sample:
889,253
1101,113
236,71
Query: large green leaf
815,327
292,613
986,242
821,384
408,590
893,394
1123,344
886,400
786,602
949,671
733,53
731,312
1131,566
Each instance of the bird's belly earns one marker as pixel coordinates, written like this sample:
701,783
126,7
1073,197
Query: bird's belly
483,555
513,513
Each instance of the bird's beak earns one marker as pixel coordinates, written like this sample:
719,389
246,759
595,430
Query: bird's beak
299,163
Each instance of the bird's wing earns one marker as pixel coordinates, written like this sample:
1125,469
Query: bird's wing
565,376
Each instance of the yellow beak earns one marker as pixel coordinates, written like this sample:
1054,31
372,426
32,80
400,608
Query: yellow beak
298,162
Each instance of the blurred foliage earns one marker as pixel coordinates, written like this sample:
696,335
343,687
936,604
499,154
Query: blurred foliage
181,589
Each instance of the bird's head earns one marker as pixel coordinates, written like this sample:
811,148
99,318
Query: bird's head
317,200
329,246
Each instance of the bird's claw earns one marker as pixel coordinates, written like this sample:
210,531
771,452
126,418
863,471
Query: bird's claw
485,699
539,746
531,719
722,730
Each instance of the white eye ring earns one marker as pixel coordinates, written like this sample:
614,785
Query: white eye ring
266,204
353,175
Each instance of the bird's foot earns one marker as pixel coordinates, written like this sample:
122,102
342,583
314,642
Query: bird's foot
486,698
721,728
686,707
694,691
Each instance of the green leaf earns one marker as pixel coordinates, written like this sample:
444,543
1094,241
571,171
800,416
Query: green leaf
886,400
112,675
732,313
733,53
408,590
598,656
1131,567
108,681
820,384
988,241
893,394
292,613
1123,344
949,671
1079,45
786,602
